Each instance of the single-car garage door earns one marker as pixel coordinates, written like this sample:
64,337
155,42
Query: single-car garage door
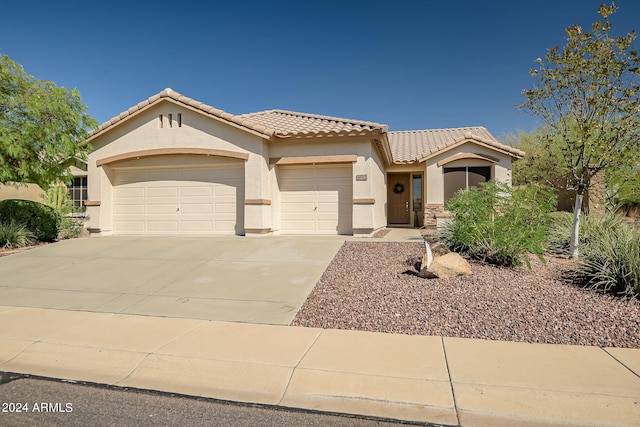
316,199
194,200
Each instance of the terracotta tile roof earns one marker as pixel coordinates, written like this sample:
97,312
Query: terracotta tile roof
288,124
404,146
417,145
278,123
189,102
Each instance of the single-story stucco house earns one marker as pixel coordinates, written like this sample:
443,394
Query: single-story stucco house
173,165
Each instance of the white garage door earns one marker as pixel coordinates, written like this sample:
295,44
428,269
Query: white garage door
201,200
316,199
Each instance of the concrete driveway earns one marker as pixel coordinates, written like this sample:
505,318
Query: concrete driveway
257,280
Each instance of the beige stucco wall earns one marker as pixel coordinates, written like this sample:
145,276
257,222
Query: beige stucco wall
501,171
261,212
142,132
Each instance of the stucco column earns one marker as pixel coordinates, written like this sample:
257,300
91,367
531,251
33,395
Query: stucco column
363,199
257,194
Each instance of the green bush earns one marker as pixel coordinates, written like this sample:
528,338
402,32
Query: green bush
500,225
15,235
43,221
609,255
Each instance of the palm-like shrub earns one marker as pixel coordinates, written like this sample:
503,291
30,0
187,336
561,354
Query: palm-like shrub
15,235
500,225
609,254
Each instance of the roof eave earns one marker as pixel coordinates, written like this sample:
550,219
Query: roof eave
509,151
169,95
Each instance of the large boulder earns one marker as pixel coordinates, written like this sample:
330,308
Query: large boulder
445,267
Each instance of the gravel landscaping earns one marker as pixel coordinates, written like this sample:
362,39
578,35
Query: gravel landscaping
374,286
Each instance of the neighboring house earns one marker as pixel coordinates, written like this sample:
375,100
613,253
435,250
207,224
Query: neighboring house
173,165
77,189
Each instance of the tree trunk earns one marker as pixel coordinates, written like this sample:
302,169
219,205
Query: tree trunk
575,232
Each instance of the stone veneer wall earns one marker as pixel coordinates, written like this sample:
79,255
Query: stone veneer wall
430,212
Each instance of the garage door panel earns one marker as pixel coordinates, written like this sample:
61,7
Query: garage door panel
131,226
196,226
170,201
196,191
327,225
222,226
130,209
316,199
294,207
162,226
226,209
162,209
196,208
327,208
162,192
129,192
301,226
224,190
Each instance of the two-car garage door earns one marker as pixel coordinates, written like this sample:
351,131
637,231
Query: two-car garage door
193,200
316,199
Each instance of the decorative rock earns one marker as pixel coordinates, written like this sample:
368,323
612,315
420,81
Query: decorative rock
445,267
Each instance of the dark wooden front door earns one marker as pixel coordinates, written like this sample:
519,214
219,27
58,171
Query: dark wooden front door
399,192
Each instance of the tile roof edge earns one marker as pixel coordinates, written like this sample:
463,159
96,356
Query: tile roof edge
439,129
383,127
169,93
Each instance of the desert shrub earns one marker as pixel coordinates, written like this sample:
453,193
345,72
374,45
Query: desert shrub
57,197
15,235
500,225
43,221
591,227
609,256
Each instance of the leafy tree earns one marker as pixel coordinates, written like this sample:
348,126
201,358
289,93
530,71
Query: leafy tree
540,163
623,188
587,94
43,127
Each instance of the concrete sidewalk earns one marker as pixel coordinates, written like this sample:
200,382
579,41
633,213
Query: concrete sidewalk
452,381
403,235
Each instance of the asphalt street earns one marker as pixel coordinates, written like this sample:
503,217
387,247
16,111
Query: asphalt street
30,401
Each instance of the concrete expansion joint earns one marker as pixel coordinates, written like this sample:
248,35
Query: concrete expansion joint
295,368
179,336
453,392
135,368
620,362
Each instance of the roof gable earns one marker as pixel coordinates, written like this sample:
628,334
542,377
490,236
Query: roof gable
178,99
419,145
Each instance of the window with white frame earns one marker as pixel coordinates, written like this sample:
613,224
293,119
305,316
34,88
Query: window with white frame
78,191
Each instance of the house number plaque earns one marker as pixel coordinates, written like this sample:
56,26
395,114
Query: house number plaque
361,177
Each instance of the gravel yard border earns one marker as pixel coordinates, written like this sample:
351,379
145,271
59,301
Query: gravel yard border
374,286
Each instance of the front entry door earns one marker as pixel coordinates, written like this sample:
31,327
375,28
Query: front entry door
399,192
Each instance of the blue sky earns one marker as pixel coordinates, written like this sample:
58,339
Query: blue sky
409,64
